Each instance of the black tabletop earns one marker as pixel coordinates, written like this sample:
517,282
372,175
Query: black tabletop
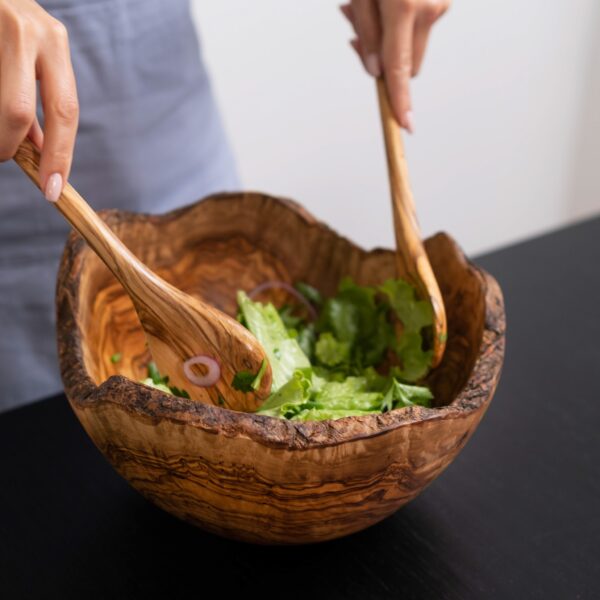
517,515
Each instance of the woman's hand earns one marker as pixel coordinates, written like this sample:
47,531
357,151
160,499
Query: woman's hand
34,46
392,37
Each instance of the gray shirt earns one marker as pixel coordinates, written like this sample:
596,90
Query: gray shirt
150,139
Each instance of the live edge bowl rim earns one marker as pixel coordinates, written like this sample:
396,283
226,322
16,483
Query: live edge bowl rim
149,404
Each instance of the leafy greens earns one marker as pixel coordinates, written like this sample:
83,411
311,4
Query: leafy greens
327,369
156,380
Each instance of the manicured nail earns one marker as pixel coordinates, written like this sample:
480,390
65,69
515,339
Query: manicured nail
372,64
53,187
409,123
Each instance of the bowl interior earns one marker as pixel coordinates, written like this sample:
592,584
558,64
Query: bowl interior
237,241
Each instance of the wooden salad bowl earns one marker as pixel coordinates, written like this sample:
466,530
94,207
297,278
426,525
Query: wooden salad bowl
251,477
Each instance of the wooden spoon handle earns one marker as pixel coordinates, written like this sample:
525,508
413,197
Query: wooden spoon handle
410,252
117,257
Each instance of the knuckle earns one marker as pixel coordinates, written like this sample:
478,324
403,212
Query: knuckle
18,112
16,28
66,108
408,5
400,65
7,151
433,9
60,156
57,30
400,72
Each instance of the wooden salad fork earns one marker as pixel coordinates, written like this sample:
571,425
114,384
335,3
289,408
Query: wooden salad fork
199,347
411,257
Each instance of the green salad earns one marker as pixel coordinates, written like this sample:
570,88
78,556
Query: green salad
358,352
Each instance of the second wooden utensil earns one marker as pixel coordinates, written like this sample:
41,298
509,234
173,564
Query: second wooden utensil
413,262
178,327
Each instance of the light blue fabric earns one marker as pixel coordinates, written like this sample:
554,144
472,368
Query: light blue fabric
150,139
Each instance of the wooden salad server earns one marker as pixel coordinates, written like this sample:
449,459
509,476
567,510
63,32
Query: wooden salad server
410,252
178,326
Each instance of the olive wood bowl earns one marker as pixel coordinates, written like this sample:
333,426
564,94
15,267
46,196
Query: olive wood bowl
242,475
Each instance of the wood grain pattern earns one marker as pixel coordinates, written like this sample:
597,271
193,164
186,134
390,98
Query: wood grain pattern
239,474
410,253
177,326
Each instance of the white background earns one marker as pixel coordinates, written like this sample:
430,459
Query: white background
507,106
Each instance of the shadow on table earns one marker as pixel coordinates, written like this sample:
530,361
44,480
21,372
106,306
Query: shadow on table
153,552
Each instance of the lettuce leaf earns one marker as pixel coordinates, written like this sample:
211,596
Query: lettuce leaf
289,396
322,414
350,394
355,318
330,351
400,395
416,317
414,313
284,353
159,386
308,397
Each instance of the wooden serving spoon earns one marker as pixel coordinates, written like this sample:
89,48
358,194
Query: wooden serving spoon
177,326
410,253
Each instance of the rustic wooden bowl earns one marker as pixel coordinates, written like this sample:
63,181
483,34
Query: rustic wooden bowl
241,475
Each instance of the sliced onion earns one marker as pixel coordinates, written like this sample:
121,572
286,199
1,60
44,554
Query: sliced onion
269,285
212,375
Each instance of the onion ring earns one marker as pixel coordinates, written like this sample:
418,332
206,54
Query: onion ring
268,285
212,375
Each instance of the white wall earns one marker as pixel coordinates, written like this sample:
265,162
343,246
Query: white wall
507,126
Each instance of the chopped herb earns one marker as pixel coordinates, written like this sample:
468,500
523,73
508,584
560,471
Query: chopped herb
159,382
245,381
116,357
310,293
178,392
290,320
242,381
153,373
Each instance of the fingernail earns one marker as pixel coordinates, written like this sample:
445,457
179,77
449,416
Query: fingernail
373,66
409,123
53,187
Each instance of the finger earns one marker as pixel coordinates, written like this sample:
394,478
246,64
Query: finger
347,12
17,99
35,134
426,17
397,48
61,112
420,37
355,43
366,19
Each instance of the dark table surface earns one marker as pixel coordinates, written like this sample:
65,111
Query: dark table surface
517,515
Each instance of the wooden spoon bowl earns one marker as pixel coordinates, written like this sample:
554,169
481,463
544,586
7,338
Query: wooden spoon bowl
242,475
